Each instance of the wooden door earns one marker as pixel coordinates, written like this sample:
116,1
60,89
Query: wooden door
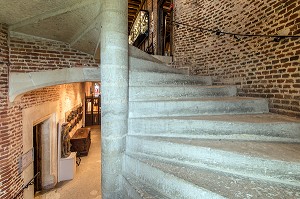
96,106
37,145
92,110
88,111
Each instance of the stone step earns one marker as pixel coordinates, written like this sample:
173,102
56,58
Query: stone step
276,162
197,106
136,64
223,184
260,127
135,189
172,187
137,78
139,93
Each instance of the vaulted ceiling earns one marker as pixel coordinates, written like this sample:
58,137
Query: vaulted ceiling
76,22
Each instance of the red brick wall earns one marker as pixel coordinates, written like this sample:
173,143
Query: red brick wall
25,56
29,55
259,66
10,138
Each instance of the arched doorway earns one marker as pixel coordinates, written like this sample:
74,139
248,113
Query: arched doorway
43,112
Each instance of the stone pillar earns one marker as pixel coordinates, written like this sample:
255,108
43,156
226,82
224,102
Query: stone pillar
114,93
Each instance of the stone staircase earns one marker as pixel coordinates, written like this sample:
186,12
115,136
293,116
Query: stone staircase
189,139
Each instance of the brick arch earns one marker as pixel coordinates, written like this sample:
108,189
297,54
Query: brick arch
20,83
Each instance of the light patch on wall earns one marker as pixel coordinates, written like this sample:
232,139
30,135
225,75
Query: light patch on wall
25,160
284,31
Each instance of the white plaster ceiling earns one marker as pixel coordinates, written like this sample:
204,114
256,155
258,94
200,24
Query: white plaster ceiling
75,22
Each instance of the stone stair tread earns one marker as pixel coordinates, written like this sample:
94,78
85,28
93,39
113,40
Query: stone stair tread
157,70
224,184
144,191
223,99
288,152
137,64
139,78
163,72
172,186
197,106
266,127
175,73
140,93
186,86
243,118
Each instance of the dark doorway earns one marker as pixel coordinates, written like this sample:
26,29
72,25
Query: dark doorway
37,145
164,29
92,110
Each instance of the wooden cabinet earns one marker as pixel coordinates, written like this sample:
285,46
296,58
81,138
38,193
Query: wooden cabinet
81,141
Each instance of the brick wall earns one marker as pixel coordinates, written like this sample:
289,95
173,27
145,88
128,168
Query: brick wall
10,138
28,54
259,67
31,55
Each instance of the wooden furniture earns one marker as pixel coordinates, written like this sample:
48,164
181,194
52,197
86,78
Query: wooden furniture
81,141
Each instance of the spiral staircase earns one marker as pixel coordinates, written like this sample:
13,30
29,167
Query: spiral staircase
188,138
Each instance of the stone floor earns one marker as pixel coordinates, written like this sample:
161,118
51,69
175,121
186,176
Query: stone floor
87,182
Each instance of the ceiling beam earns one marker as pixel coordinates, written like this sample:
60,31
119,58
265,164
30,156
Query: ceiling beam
134,3
133,8
51,13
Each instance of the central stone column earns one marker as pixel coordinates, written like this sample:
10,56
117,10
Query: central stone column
114,93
